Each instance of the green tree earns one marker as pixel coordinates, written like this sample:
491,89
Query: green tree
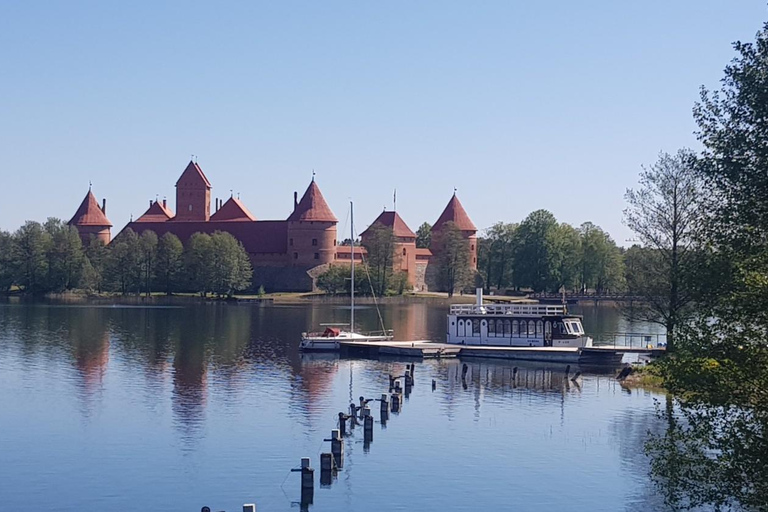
495,254
535,254
170,263
566,257
452,259
230,264
97,255
197,258
123,265
6,262
602,264
31,244
65,255
665,214
148,247
424,236
382,257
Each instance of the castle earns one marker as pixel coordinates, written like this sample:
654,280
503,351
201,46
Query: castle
287,255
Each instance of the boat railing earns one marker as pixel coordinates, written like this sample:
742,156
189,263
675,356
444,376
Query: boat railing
508,309
629,340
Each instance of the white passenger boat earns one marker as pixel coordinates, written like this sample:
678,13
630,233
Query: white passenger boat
515,325
328,340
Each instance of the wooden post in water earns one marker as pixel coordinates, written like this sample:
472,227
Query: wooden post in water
395,402
567,371
249,507
434,384
368,428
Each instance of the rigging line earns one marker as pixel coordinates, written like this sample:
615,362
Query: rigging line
373,293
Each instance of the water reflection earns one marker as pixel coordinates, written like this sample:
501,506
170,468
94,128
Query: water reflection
229,384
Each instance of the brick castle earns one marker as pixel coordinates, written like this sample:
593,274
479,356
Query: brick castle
287,255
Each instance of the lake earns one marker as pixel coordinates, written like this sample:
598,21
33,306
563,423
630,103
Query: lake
106,407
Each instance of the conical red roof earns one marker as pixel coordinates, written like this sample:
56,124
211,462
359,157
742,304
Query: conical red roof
313,207
193,172
392,220
89,213
233,209
156,213
455,213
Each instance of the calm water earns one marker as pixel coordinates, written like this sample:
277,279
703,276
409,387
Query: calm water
132,408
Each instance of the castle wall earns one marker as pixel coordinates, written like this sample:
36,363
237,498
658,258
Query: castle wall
311,243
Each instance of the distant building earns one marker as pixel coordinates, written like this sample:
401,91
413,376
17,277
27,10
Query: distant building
287,255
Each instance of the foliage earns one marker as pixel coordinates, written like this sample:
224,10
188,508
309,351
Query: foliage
337,278
382,257
30,247
602,264
536,256
123,265
424,236
495,254
453,270
230,266
715,450
666,214
170,263
148,255
6,261
65,256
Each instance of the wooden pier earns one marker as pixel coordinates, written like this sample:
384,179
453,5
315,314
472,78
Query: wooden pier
425,349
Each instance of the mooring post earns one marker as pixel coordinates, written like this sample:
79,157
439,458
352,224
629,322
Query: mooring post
327,462
249,507
413,368
398,389
337,447
368,429
384,402
567,370
395,402
434,384
307,474
391,382
343,423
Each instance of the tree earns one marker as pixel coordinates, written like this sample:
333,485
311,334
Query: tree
197,257
31,244
123,265
535,252
382,257
6,261
424,236
148,248
97,255
715,451
65,255
602,265
170,262
452,258
495,254
230,265
665,214
565,257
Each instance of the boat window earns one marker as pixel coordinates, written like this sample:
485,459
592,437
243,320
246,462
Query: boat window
515,328
548,327
576,327
531,327
492,328
568,328
507,327
539,328
475,327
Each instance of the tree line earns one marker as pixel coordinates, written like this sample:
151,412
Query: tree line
544,255
51,258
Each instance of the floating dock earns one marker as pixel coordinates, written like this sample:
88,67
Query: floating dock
425,349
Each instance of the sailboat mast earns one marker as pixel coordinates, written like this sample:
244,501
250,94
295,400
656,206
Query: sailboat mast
352,283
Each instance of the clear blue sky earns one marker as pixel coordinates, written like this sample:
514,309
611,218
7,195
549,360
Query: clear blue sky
520,105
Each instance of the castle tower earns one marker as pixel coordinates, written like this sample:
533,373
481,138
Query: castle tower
90,219
454,212
193,195
311,230
405,242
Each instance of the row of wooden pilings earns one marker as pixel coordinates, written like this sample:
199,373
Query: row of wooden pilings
392,401
333,461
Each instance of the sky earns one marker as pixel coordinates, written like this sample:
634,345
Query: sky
518,105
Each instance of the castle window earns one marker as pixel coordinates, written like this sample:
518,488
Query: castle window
403,251
334,242
472,247
295,255
290,242
317,255
190,207
314,241
335,256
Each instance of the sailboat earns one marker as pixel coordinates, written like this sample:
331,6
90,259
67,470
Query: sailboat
330,338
